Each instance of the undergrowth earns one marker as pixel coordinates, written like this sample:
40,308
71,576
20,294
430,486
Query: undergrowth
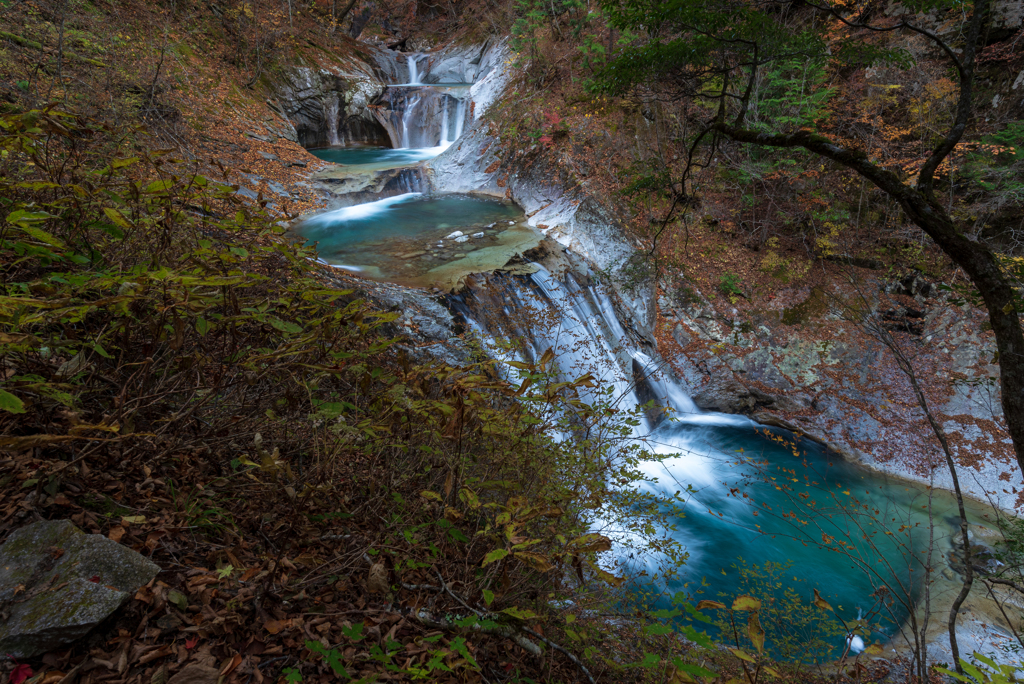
154,327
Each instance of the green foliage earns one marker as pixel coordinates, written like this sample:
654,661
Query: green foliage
146,311
991,673
792,94
730,285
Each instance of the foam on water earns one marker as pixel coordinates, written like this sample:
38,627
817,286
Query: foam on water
361,211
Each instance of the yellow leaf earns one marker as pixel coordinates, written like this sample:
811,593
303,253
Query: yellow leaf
746,603
710,604
742,655
756,632
116,216
820,602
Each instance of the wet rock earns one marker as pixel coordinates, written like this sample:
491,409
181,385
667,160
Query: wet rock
452,236
731,396
983,559
462,238
477,235
58,583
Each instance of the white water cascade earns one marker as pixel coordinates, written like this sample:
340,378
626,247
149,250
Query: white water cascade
460,118
444,124
407,118
331,113
414,76
425,116
580,325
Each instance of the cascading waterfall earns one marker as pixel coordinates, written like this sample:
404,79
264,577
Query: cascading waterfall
584,332
794,493
414,77
421,115
407,118
705,455
460,118
444,123
332,107
707,459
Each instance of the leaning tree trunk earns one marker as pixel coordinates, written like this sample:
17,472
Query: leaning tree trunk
976,259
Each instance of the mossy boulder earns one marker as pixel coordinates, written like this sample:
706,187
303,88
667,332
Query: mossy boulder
58,583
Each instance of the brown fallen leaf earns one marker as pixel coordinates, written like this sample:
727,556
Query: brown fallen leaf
377,580
230,666
275,626
196,674
116,533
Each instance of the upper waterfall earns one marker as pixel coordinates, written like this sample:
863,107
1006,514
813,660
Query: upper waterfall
414,76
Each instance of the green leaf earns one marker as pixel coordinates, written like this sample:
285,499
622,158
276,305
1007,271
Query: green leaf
284,326
119,220
355,632
488,597
519,613
742,655
755,631
495,555
202,326
11,403
693,669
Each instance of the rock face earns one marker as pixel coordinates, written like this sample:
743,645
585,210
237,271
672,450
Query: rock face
558,204
57,583
354,186
329,105
462,64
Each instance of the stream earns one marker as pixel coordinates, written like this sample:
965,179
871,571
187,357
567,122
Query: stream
754,495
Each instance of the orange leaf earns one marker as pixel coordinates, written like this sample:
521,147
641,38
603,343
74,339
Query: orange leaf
116,533
231,665
275,626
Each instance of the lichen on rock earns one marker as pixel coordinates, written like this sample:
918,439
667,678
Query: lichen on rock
58,583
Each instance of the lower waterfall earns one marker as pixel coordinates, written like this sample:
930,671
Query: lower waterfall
754,498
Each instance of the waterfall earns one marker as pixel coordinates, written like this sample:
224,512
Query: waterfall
407,117
460,117
331,115
414,77
444,123
579,324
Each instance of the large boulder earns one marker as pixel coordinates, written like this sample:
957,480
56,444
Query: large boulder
57,583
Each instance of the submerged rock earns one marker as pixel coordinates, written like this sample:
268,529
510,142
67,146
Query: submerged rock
58,583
